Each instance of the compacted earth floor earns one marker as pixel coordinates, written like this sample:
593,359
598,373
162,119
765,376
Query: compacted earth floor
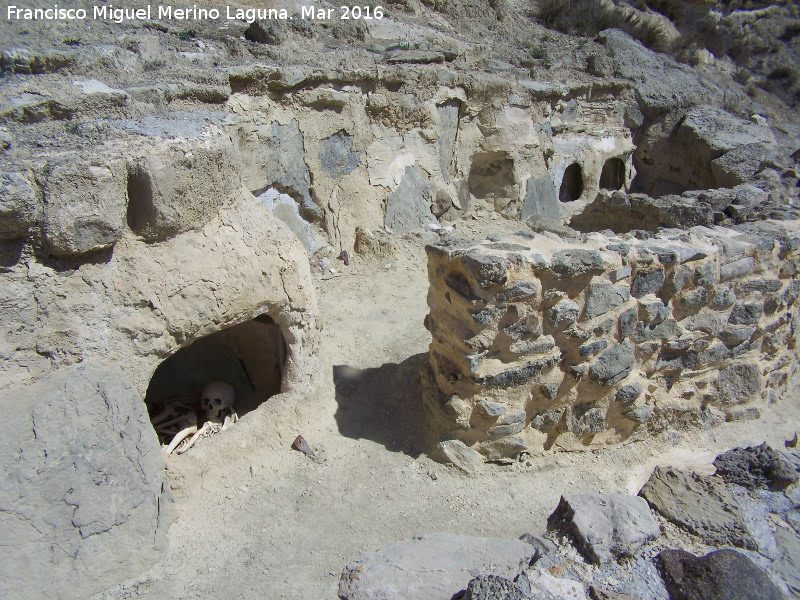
284,526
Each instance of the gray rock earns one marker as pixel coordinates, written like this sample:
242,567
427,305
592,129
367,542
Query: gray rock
549,390
640,415
431,567
653,311
746,313
720,575
614,364
605,526
490,409
448,125
736,269
706,274
505,448
459,454
540,345
787,565
492,587
543,545
529,324
485,269
661,83
762,286
541,199
697,298
701,505
739,382
735,335
629,392
647,281
722,132
519,375
667,329
409,206
620,274
592,348
520,290
603,297
564,313
509,418
85,204
723,297
627,323
677,280
287,210
504,430
740,164
282,153
336,156
585,419
569,264
20,205
82,472
755,467
546,421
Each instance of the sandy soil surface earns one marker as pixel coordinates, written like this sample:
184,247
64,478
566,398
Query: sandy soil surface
275,524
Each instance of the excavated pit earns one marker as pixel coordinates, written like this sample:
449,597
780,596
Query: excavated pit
250,357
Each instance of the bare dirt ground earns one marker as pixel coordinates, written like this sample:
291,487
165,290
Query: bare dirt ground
275,524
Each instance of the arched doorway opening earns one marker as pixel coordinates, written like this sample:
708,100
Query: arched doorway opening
248,359
571,184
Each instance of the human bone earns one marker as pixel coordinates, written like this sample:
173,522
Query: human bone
217,397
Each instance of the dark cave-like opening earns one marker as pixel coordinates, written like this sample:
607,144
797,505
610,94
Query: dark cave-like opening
612,176
571,184
250,357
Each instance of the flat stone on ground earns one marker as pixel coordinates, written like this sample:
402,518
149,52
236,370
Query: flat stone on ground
701,505
431,567
605,526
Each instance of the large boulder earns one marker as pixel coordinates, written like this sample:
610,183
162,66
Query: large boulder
605,526
85,203
83,497
701,505
431,567
181,184
721,575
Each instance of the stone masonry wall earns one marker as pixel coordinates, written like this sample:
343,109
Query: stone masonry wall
539,341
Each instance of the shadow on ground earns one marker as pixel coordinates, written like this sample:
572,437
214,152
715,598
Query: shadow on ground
383,404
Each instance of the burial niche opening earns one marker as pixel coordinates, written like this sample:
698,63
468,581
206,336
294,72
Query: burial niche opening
241,366
491,175
571,184
612,176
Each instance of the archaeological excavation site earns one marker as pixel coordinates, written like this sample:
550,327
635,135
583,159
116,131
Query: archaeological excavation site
470,299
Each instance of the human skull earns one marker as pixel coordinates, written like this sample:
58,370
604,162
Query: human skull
216,398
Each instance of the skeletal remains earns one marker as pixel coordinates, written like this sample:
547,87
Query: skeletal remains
217,402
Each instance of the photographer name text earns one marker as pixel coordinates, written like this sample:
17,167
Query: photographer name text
119,15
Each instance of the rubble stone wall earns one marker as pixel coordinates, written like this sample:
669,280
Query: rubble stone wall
540,341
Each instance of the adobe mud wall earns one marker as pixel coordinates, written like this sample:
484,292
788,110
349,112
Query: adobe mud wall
539,341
